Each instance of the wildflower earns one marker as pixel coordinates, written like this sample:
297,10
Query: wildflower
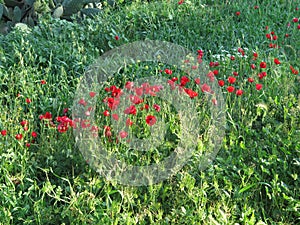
129,122
156,107
231,80
116,37
3,132
250,79
239,92
123,134
191,93
168,71
130,110
295,20
263,65
205,88
258,86
33,134
92,94
106,113
28,100
221,83
184,80
43,82
230,89
238,13
276,61
115,117
19,136
150,120
197,80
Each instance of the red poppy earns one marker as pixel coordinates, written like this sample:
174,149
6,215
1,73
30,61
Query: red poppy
27,145
106,113
239,92
238,13
92,94
130,110
168,71
139,91
180,2
276,61
215,72
197,80
24,123
129,85
230,89
129,122
191,93
116,37
231,79
263,65
115,117
235,73
43,82
268,36
82,102
150,120
123,134
135,99
256,7
33,134
184,80
295,20
250,79
156,107
255,55
28,100
221,83
253,66
19,136
232,57
258,86
3,132
205,88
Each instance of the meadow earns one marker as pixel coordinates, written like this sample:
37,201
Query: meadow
251,50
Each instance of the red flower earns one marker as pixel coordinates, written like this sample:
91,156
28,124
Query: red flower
174,79
82,102
115,117
197,80
130,110
150,120
92,94
3,132
28,101
211,64
123,134
215,72
43,82
255,55
230,89
240,50
214,101
19,136
231,80
168,71
116,37
24,123
106,113
180,2
156,107
268,36
232,57
258,86
33,134
295,20
276,61
263,65
272,32
256,7
27,145
194,67
250,79
239,92
184,80
286,35
253,66
205,88
298,26
238,13
129,85
221,83
235,73
139,91
211,75
112,102
191,93
274,37
135,99
262,75
129,122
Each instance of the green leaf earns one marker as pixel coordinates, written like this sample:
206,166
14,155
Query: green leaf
17,14
1,10
246,188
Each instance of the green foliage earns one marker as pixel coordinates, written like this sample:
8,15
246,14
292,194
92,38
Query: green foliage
255,177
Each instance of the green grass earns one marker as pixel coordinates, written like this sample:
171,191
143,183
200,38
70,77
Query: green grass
255,176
